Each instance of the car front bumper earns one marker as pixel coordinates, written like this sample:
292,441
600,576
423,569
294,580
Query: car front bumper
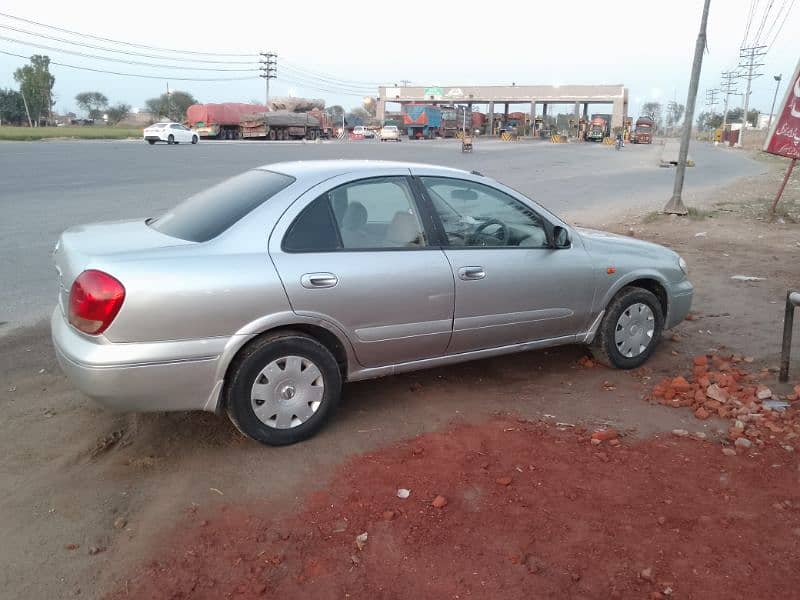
140,377
680,302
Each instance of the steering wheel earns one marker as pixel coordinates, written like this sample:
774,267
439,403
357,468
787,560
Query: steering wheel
499,238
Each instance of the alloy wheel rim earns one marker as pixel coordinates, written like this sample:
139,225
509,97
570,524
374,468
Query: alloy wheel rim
634,330
287,392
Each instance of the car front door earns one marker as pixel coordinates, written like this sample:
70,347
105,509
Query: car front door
512,286
356,254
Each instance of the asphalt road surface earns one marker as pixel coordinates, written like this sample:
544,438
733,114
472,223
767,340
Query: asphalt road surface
47,187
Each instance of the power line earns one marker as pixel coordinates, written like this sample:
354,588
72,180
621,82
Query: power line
121,60
146,47
753,4
763,21
329,76
785,17
126,52
778,14
329,83
161,77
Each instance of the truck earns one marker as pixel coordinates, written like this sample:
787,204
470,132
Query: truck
422,121
453,120
220,121
643,131
599,128
286,125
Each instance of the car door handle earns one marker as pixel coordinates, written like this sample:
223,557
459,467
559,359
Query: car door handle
318,280
469,273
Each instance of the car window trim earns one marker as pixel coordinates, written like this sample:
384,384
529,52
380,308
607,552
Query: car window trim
445,243
422,212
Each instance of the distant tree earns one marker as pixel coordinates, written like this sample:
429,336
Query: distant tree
36,86
708,120
172,106
117,112
735,116
336,113
12,108
358,116
654,111
92,103
674,113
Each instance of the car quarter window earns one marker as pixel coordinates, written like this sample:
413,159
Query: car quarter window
474,214
377,213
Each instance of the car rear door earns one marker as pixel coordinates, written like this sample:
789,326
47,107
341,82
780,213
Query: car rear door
511,290
357,253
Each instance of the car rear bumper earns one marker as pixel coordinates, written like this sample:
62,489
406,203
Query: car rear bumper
139,377
680,302
153,138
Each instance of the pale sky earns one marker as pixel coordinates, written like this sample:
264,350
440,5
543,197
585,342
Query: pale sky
645,45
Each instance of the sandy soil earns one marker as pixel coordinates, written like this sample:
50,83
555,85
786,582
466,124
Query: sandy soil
90,499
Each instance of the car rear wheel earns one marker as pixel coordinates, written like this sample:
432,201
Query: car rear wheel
630,330
171,139
151,142
282,388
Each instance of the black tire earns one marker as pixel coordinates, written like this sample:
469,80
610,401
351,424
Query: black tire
151,142
247,367
194,139
604,347
171,139
271,136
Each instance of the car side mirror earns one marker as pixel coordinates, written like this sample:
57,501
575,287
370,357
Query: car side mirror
561,237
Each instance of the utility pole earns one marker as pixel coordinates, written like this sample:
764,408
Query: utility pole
269,70
169,104
748,58
729,87
675,205
405,82
711,99
777,79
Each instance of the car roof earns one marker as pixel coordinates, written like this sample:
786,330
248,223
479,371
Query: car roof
332,168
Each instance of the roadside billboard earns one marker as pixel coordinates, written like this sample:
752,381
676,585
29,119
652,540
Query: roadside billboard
784,136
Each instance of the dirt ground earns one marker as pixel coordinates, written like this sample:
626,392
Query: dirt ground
98,505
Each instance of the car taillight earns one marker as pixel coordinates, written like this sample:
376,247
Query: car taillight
94,301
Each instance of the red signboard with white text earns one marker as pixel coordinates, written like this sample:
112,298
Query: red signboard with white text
784,136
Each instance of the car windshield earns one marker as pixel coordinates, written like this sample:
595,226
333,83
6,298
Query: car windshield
207,214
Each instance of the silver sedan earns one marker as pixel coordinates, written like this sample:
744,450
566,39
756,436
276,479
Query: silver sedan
260,296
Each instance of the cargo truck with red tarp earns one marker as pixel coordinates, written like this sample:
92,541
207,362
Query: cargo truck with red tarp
221,121
643,131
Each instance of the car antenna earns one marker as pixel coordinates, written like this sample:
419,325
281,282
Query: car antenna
478,173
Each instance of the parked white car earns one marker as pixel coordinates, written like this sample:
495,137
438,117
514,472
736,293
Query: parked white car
363,131
390,132
172,133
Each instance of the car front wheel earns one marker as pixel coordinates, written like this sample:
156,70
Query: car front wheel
282,388
194,139
630,330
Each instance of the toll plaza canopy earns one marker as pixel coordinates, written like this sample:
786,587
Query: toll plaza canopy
579,95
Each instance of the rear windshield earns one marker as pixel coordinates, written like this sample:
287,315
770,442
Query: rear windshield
206,215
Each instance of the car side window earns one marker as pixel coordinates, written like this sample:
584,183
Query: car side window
377,213
474,214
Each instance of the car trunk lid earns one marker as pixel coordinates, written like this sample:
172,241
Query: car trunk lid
78,247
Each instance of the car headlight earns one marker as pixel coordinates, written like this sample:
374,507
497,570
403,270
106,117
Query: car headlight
682,264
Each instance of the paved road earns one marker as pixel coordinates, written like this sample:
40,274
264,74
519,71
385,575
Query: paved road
49,186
